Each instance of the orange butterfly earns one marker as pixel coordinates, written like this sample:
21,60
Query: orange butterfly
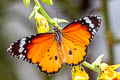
50,50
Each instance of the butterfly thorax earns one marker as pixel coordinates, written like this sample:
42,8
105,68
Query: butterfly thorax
58,34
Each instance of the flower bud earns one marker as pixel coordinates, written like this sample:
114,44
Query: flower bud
41,23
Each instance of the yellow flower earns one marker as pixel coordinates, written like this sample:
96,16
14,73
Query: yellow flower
78,73
108,73
41,23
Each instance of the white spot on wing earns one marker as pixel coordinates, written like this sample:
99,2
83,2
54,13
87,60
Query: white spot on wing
21,49
25,51
98,17
93,33
94,30
9,48
76,20
91,25
87,20
89,29
22,43
29,36
20,56
80,19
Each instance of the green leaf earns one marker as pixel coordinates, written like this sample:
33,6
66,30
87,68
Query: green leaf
26,3
60,20
50,2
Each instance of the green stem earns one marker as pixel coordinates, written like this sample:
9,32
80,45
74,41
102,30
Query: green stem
99,75
88,65
37,2
44,13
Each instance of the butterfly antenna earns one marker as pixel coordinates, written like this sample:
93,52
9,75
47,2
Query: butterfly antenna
93,11
57,16
57,21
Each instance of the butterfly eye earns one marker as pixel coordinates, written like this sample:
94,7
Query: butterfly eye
55,29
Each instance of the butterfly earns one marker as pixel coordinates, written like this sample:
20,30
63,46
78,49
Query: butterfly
50,50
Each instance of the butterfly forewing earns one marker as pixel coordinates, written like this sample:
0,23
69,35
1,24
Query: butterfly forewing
40,49
73,53
77,37
18,49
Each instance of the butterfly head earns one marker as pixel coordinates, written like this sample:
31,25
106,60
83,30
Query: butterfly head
55,29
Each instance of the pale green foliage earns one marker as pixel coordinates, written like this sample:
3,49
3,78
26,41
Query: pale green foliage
50,2
97,62
26,3
57,20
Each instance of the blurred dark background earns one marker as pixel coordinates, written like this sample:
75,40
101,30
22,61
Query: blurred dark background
14,24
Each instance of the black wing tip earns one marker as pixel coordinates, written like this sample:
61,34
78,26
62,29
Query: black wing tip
20,56
93,22
9,49
90,16
95,15
96,20
48,74
99,19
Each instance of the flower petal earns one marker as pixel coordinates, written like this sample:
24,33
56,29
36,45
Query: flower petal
108,73
78,73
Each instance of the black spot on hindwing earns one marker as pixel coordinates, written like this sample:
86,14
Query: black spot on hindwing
70,52
50,58
75,49
56,57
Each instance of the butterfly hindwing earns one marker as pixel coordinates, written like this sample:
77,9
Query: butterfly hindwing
40,49
73,53
77,37
52,61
